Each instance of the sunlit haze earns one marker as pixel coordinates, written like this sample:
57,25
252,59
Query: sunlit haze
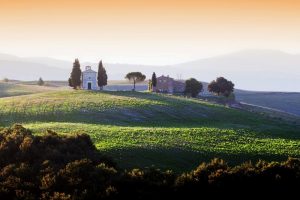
156,32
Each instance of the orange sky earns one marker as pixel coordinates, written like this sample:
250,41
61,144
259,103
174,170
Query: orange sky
146,31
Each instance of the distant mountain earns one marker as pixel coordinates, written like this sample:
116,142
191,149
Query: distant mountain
50,62
24,70
9,57
264,70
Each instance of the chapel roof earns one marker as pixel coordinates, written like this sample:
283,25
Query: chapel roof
88,69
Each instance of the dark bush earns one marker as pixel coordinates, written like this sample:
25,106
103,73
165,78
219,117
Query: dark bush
69,167
51,166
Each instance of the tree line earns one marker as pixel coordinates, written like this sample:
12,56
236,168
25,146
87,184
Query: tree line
193,87
75,79
61,167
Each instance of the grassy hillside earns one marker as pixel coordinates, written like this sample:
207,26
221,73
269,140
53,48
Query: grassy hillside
141,129
17,89
285,101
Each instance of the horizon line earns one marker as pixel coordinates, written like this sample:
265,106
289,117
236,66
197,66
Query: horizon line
143,64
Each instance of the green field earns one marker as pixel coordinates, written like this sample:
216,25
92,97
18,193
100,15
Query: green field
17,89
142,129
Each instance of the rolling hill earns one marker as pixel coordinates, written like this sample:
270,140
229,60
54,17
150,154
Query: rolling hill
284,101
142,129
16,88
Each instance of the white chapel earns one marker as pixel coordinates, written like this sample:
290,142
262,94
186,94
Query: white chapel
89,79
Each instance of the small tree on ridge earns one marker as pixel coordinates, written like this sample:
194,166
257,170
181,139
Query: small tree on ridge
193,87
221,86
135,77
41,82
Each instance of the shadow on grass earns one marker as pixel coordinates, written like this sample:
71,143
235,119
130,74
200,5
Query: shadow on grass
137,118
7,88
179,160
159,97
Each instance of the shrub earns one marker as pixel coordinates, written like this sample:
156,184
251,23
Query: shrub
70,167
41,82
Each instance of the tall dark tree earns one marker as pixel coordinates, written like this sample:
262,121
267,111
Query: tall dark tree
193,87
75,78
154,80
221,86
102,76
135,77
70,82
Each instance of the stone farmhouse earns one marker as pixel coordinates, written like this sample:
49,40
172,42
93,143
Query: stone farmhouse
166,84
89,79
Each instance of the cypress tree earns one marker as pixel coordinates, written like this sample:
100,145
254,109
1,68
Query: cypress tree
75,79
154,80
70,82
102,76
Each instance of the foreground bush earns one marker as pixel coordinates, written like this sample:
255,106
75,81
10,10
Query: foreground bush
70,167
51,166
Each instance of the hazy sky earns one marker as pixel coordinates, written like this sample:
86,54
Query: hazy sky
146,31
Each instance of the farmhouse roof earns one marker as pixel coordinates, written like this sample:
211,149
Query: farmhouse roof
170,79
